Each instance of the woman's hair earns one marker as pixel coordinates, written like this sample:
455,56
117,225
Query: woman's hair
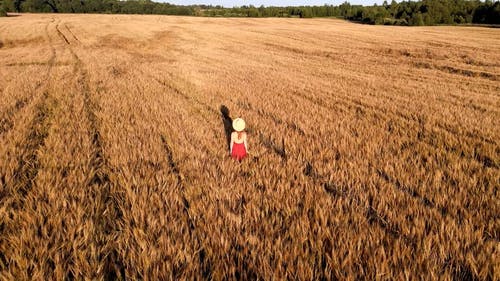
239,134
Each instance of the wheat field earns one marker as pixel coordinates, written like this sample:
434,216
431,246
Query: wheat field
374,150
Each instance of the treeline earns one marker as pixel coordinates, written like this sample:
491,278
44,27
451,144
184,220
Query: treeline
425,12
251,11
96,6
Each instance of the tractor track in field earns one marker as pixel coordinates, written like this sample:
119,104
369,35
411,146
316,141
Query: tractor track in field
27,169
424,138
347,103
28,164
15,192
204,261
8,116
110,214
409,121
108,217
374,216
428,138
72,33
63,37
443,211
408,190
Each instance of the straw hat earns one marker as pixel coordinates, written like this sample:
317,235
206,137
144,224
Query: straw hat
238,124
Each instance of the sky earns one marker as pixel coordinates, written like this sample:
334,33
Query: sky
232,3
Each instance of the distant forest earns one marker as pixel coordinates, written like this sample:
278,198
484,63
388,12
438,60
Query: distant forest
426,12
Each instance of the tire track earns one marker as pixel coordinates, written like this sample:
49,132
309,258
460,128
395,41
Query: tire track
28,163
411,192
109,214
373,215
15,190
72,34
433,140
422,137
59,32
8,116
346,103
271,144
14,195
37,131
428,202
204,261
442,210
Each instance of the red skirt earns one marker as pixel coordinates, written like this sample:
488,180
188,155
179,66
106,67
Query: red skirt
239,152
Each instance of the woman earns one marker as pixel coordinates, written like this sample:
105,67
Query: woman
238,145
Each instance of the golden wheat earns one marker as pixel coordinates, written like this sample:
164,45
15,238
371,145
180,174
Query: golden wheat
374,150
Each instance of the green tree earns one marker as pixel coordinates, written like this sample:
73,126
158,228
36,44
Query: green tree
487,13
305,12
253,12
368,16
428,19
404,16
345,10
394,8
416,19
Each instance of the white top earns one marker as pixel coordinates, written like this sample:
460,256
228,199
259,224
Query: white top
234,139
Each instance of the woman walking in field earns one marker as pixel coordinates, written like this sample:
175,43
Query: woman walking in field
238,145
